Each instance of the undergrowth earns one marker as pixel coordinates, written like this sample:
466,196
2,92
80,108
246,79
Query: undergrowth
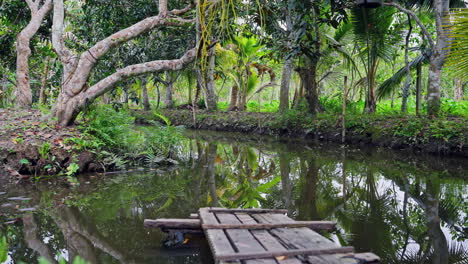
111,134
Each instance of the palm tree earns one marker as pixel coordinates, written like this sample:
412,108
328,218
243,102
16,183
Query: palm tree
375,42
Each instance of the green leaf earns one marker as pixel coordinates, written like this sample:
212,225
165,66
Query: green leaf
3,249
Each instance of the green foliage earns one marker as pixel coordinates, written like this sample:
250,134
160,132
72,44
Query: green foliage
457,58
44,150
24,162
77,260
120,143
3,249
72,169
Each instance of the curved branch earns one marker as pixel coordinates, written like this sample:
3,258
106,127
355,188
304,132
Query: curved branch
138,69
416,18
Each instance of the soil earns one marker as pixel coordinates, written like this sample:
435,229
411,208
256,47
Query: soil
31,144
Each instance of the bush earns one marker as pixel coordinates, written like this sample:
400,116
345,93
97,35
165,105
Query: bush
116,132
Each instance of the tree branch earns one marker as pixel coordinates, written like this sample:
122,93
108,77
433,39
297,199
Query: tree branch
32,5
416,18
138,69
89,58
57,33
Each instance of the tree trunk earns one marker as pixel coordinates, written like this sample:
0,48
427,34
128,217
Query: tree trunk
458,89
234,95
309,85
439,52
285,82
42,97
418,88
406,87
144,94
169,102
211,101
74,95
23,51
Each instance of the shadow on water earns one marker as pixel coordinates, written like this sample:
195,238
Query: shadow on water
405,208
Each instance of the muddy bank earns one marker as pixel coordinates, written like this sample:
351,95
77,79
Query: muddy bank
31,145
420,135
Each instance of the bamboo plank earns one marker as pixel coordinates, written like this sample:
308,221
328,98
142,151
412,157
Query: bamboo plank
279,253
173,223
217,239
244,242
315,225
303,237
267,240
249,211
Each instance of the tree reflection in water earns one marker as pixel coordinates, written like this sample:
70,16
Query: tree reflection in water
407,209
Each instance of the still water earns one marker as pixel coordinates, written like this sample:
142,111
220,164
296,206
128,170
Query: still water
403,207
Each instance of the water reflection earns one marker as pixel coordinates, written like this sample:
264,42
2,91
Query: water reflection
405,208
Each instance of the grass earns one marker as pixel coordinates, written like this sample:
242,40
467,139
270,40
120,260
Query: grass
333,104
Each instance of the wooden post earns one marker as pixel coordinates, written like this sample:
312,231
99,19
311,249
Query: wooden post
418,89
343,117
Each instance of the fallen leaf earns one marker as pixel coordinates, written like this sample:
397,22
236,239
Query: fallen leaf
281,257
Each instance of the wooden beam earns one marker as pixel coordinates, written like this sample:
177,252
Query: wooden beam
315,225
280,253
248,211
176,223
173,223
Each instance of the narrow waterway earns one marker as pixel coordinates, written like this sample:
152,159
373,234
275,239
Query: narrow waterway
404,208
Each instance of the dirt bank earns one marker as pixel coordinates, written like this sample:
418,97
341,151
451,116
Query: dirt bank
31,145
444,136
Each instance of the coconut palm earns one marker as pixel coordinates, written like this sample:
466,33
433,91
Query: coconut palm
375,42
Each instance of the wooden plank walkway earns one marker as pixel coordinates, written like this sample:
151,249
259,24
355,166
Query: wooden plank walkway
263,236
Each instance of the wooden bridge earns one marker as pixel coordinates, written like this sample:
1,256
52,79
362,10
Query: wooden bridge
263,236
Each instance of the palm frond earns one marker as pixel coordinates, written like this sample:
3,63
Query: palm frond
392,83
457,59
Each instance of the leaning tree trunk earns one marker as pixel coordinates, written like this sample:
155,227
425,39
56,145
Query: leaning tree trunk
23,51
439,53
74,94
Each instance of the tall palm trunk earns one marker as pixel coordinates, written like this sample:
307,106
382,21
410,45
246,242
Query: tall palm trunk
285,83
234,95
404,107
439,52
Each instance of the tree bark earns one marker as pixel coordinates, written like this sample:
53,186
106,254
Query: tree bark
144,94
234,96
74,95
439,53
169,102
418,88
211,101
285,82
406,87
458,89
45,75
23,51
309,84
